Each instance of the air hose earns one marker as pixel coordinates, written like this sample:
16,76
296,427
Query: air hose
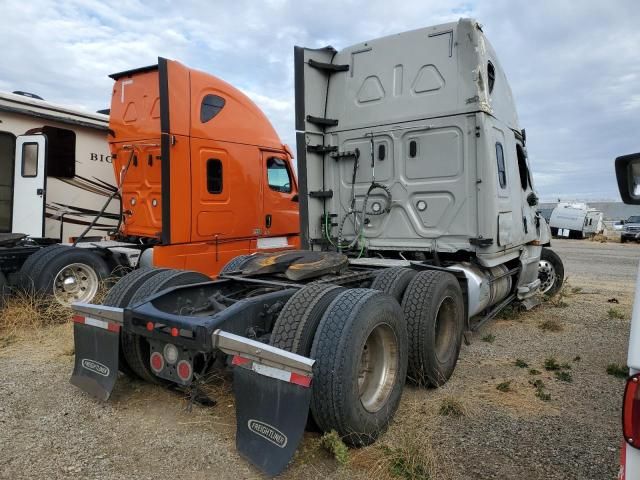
359,229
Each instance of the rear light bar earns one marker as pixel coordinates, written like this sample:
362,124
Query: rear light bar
631,411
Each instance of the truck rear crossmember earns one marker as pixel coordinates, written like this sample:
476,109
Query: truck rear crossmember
282,377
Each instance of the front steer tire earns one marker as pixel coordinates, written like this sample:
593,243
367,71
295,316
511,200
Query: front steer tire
433,308
344,379
550,265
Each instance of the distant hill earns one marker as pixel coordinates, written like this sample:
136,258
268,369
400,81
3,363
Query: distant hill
610,210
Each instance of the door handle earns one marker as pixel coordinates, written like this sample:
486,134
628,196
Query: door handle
40,191
267,221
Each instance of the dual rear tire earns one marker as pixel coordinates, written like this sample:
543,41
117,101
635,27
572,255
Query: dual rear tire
366,344
134,288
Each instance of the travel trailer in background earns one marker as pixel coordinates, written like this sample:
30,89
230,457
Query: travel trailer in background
575,220
56,174
55,169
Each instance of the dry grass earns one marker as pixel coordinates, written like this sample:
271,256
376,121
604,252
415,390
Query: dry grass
407,450
615,314
25,311
410,456
452,407
550,325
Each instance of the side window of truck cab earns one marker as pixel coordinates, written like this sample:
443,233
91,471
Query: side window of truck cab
278,175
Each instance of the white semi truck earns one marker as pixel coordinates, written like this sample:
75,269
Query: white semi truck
418,222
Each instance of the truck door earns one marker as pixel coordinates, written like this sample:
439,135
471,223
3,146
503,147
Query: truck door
29,185
225,191
279,207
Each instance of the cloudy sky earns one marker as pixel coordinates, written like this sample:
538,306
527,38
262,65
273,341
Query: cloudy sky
574,66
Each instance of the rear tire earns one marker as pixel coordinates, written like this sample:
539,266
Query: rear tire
360,349
433,308
298,321
69,274
24,275
550,272
394,281
136,348
120,295
235,264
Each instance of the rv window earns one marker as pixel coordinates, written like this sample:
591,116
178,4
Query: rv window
523,169
211,106
61,152
214,175
502,172
29,159
491,75
278,175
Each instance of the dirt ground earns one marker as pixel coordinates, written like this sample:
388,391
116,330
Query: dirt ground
49,429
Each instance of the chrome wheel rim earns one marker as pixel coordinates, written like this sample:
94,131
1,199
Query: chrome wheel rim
445,326
378,368
547,275
76,282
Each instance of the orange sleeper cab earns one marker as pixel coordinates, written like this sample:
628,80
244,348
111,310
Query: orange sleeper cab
204,174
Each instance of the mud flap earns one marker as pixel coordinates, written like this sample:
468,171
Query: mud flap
271,416
96,364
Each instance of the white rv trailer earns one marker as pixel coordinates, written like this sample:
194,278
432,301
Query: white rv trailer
55,169
56,175
575,220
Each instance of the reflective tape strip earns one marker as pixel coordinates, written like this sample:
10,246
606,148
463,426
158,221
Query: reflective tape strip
94,322
272,372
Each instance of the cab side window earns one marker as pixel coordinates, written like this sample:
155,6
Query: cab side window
502,171
278,175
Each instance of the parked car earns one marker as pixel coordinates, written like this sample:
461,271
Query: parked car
631,229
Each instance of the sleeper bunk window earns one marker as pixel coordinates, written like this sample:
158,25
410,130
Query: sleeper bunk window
214,176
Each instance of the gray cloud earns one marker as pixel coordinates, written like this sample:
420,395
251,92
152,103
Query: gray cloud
573,66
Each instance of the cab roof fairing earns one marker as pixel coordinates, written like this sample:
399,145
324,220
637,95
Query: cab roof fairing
464,89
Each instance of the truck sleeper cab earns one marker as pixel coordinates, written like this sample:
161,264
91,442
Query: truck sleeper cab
417,214
204,175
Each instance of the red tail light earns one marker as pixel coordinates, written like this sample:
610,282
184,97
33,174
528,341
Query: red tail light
157,362
631,411
184,370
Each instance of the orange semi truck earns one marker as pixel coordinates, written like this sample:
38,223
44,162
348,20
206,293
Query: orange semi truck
202,179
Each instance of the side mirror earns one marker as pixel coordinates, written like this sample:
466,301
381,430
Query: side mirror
628,175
